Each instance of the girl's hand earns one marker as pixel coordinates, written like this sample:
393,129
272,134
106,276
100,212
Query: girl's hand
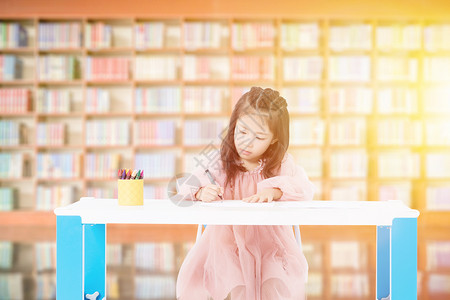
265,195
209,193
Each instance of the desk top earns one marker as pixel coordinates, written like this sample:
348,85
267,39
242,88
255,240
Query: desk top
237,212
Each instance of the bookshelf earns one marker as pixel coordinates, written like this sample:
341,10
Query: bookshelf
367,94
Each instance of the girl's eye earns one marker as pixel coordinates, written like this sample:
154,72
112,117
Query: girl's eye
259,138
243,132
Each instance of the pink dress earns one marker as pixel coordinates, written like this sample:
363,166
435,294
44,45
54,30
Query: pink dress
252,262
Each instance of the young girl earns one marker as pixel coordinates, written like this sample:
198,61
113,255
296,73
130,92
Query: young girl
249,262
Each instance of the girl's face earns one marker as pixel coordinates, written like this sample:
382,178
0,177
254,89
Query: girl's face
252,137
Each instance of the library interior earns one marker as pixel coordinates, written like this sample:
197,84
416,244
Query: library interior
91,87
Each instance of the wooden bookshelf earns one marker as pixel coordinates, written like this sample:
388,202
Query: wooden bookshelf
324,112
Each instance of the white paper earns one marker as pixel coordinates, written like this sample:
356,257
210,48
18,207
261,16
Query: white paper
237,204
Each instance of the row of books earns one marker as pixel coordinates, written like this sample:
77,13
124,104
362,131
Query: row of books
399,37
114,255
98,35
156,191
311,159
7,198
97,100
351,100
350,37
167,99
6,254
11,165
154,287
54,67
51,134
11,133
204,132
348,191
437,37
157,35
157,165
155,132
355,68
437,165
154,257
439,284
53,101
45,286
438,255
314,255
204,99
253,68
396,191
314,286
398,69
347,132
434,69
436,100
399,100
296,36
201,35
101,192
251,35
343,255
161,67
307,68
348,254
54,35
11,286
248,35
13,35
113,286
206,67
399,132
438,197
350,285
51,197
158,99
11,67
57,165
343,164
303,99
107,132
102,165
348,164
307,132
45,256
14,100
108,68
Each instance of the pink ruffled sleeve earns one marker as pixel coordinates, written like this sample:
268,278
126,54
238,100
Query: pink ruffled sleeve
292,181
189,185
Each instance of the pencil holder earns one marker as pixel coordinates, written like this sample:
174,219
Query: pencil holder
130,192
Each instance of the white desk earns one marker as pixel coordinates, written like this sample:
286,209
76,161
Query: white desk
81,234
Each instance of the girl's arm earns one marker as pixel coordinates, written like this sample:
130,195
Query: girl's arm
190,184
292,181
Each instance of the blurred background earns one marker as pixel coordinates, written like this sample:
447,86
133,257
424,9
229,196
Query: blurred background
88,87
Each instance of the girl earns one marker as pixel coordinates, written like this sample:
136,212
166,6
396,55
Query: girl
250,262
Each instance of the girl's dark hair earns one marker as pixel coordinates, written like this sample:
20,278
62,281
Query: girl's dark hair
265,103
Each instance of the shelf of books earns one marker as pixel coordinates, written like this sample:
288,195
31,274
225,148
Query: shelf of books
368,102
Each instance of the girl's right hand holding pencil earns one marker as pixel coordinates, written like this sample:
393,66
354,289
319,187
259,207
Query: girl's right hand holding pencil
209,193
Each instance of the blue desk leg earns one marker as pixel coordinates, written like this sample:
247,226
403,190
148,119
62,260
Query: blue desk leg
69,258
94,260
404,259
383,261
